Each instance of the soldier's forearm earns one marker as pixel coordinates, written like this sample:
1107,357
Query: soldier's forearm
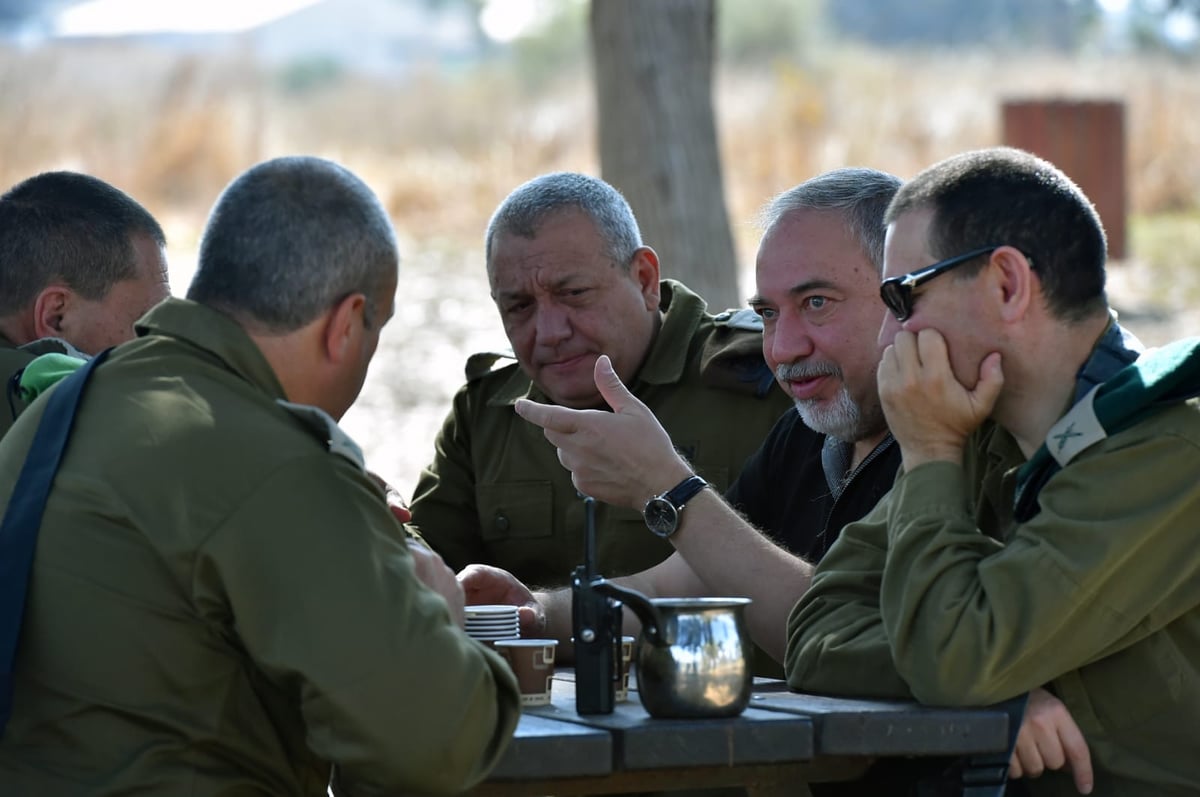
734,559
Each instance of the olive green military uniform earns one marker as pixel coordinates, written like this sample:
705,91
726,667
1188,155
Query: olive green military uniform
221,601
13,360
496,493
940,593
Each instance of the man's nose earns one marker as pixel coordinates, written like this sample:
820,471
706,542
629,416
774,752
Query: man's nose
553,324
790,340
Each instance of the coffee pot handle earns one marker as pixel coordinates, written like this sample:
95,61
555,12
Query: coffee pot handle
641,606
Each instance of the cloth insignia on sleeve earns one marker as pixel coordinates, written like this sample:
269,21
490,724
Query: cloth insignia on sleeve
1076,431
325,427
1157,379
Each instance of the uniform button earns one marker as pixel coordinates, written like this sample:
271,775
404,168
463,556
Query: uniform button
501,523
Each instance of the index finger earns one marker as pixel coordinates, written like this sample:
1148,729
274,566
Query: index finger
548,416
931,347
1078,757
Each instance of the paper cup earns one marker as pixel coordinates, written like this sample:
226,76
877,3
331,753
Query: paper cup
532,661
622,657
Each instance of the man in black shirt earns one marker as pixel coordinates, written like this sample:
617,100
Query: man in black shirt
821,466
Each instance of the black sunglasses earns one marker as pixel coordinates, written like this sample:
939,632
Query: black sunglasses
897,292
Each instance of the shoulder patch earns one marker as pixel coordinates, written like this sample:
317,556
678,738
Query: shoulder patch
745,319
1076,431
326,428
483,363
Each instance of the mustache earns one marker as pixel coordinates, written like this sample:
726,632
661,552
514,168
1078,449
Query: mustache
786,371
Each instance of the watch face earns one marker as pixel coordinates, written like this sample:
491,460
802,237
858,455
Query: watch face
661,517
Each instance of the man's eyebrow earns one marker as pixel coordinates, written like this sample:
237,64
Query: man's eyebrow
812,285
797,289
557,285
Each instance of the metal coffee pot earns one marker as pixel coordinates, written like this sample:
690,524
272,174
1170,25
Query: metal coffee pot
694,656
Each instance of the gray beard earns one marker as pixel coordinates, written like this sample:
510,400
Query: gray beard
841,419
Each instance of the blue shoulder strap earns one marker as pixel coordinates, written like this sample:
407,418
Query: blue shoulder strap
18,531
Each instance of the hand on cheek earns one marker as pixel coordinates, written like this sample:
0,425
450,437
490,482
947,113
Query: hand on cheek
929,411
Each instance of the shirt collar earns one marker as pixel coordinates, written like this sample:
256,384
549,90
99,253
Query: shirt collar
1116,348
836,456
215,333
44,346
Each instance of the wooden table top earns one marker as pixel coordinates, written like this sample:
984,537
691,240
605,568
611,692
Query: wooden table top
781,737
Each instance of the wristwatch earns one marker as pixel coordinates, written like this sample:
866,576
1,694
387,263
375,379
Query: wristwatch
661,512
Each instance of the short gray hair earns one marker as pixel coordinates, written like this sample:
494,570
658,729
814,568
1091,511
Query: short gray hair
288,239
861,196
523,211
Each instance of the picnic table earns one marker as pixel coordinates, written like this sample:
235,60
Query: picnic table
781,742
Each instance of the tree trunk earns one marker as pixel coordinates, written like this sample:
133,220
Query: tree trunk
658,139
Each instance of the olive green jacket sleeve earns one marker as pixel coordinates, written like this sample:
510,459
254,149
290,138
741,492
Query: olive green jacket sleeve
397,698
1107,563
917,598
836,639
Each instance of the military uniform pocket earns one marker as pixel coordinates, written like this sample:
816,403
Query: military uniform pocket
516,510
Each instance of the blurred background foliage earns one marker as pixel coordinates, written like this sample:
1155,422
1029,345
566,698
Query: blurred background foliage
802,86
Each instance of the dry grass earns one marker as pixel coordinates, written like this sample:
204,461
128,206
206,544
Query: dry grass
443,150
901,114
173,129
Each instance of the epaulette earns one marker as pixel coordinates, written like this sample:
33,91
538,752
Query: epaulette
1159,378
745,319
734,360
327,429
482,364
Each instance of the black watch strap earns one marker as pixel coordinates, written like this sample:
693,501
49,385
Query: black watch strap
681,493
661,512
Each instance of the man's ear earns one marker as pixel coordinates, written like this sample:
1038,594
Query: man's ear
344,326
49,308
644,270
1016,282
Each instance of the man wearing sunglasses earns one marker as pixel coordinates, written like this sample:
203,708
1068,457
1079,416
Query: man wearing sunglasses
1042,531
